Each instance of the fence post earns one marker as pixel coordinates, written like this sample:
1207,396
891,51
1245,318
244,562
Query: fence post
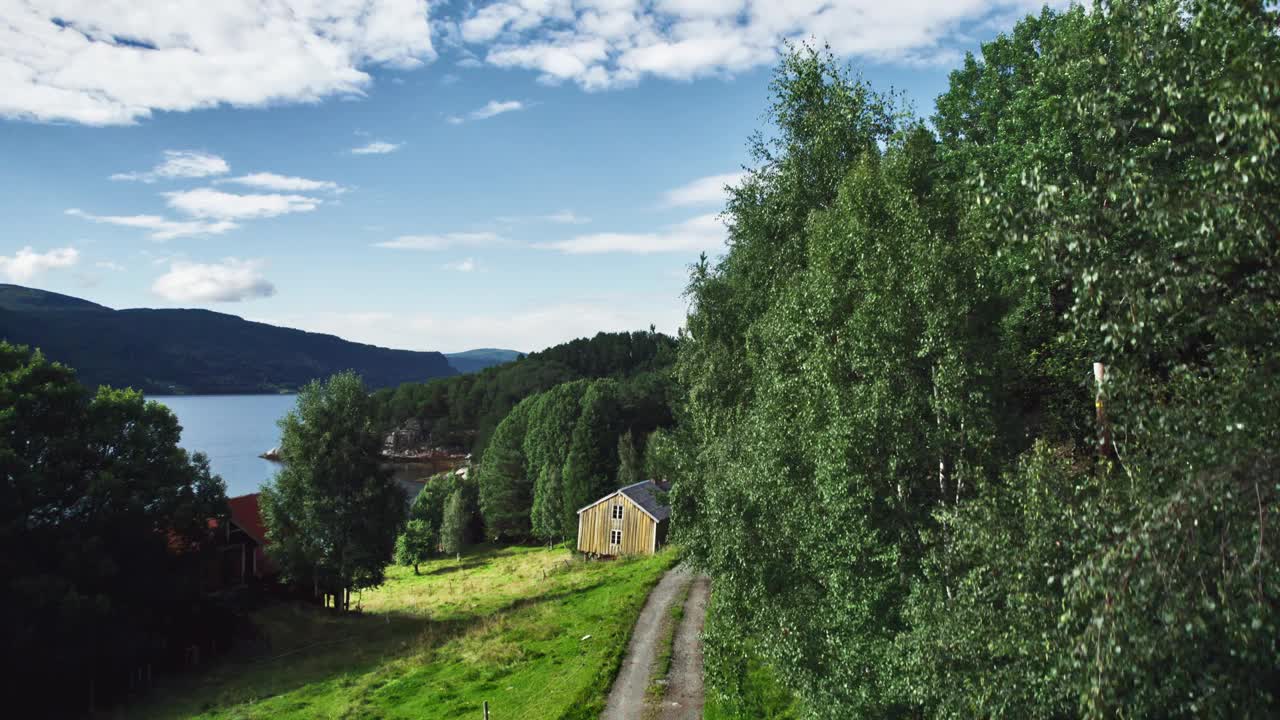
486,710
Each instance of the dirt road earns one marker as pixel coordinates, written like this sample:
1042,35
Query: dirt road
683,699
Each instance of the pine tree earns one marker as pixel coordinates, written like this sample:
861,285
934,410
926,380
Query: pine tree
549,517
630,465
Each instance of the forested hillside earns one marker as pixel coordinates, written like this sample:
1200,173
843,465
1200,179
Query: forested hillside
463,411
194,351
913,497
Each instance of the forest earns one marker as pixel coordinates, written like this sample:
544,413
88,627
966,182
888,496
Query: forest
463,411
893,456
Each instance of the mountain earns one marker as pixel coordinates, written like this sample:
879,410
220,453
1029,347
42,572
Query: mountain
194,351
481,358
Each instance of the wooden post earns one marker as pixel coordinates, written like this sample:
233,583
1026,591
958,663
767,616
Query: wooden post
486,710
1099,377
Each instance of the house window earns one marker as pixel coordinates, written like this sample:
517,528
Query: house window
615,537
617,512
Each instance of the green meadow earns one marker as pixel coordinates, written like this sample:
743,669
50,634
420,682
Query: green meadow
505,625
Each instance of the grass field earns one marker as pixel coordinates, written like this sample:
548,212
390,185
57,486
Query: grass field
505,625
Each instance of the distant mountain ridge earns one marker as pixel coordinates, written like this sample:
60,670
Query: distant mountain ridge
194,351
481,358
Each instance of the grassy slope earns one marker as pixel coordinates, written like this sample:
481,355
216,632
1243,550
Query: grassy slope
492,628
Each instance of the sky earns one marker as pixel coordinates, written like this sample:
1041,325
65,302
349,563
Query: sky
411,174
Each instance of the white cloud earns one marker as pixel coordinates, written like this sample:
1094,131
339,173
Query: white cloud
441,242
702,233
27,263
703,191
231,280
377,147
160,228
466,266
114,62
496,107
563,217
108,265
490,109
614,43
208,203
179,164
566,217
283,183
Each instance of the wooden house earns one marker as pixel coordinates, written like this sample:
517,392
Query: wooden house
242,556
630,521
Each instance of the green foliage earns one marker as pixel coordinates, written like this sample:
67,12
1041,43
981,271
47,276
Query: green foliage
453,526
549,509
881,455
506,491
559,450
465,411
104,522
332,511
630,461
987,618
416,544
592,462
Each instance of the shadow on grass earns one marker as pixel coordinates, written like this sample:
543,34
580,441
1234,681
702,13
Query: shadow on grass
468,564
336,649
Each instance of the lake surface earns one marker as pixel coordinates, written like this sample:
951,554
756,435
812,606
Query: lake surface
233,430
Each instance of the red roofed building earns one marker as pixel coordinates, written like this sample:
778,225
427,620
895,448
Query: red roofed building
242,555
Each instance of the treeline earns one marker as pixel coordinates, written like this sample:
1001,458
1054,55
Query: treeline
463,411
914,499
105,527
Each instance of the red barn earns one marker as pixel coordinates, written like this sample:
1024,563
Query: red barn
242,557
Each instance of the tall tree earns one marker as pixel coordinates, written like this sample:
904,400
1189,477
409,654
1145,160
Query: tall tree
453,526
506,490
332,512
549,510
630,462
592,463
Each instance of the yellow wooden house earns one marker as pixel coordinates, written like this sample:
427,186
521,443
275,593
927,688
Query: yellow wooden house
629,521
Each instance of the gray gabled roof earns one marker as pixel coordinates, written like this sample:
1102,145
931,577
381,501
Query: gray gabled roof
644,494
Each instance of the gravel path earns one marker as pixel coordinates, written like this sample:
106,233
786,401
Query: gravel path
626,697
683,700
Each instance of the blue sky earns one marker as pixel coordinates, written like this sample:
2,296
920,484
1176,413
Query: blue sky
427,176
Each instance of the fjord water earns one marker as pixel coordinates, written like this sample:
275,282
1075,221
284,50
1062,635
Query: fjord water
232,430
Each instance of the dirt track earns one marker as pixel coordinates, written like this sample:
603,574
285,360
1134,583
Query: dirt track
683,700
